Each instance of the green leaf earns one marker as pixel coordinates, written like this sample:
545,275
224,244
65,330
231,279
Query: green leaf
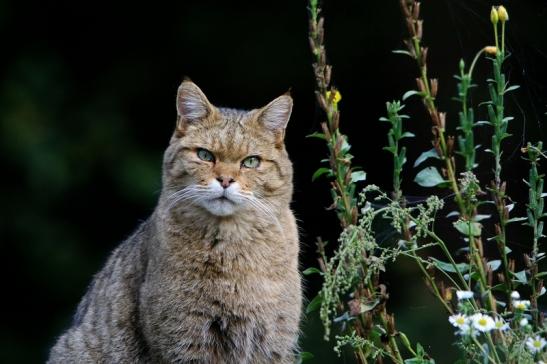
468,227
304,356
368,306
358,176
480,217
516,219
494,264
402,51
321,171
345,146
429,177
520,276
432,153
511,88
317,135
311,270
448,267
410,93
314,304
407,134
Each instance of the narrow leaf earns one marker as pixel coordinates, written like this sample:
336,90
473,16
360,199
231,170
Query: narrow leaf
402,51
317,135
321,171
311,270
447,267
410,93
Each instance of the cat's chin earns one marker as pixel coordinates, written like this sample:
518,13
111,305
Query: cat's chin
221,206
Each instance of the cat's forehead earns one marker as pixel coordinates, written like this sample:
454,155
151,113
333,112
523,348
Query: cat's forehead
233,133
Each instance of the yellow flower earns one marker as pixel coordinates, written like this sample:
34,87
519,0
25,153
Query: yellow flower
494,16
502,14
491,50
336,98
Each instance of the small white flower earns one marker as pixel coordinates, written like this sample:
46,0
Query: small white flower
467,330
542,291
535,344
464,295
483,322
458,320
523,322
515,295
521,304
500,324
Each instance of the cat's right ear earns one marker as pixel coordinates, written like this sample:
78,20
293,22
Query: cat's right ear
192,106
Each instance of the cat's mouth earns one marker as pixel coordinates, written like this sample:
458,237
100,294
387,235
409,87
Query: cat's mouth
223,198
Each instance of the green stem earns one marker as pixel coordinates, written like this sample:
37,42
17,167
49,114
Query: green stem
482,350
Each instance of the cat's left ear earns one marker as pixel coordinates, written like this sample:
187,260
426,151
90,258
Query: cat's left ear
275,116
192,106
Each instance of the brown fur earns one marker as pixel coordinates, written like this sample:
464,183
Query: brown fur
203,280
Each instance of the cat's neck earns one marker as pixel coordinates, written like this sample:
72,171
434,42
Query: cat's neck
195,224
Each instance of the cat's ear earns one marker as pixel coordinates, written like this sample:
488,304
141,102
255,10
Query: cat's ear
275,116
192,106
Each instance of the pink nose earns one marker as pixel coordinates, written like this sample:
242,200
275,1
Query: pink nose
225,181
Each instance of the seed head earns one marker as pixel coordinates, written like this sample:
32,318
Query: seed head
491,50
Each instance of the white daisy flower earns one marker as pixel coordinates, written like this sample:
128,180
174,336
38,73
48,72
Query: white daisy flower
523,322
515,295
535,344
521,304
483,322
500,324
458,320
464,295
467,330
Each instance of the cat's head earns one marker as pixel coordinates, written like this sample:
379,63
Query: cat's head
226,161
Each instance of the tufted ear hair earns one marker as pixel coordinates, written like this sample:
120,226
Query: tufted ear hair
276,114
192,106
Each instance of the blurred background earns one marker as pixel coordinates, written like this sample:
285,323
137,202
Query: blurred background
87,106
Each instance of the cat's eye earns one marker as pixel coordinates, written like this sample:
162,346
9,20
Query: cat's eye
251,162
205,155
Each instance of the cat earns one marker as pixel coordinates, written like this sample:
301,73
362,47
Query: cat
212,276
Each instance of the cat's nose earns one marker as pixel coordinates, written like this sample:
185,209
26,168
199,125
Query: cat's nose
225,181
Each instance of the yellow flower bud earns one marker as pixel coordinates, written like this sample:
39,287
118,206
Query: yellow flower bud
494,16
336,97
502,14
491,50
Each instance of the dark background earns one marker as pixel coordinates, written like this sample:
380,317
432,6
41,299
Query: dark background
87,105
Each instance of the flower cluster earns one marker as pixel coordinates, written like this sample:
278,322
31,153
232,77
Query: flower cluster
473,325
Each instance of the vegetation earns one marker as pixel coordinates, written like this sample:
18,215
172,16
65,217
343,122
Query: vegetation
490,296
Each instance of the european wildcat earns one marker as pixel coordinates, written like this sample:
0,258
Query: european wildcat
212,276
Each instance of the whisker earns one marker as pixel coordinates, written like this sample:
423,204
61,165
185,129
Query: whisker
193,193
263,206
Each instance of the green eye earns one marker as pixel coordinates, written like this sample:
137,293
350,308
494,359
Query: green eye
205,155
251,162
